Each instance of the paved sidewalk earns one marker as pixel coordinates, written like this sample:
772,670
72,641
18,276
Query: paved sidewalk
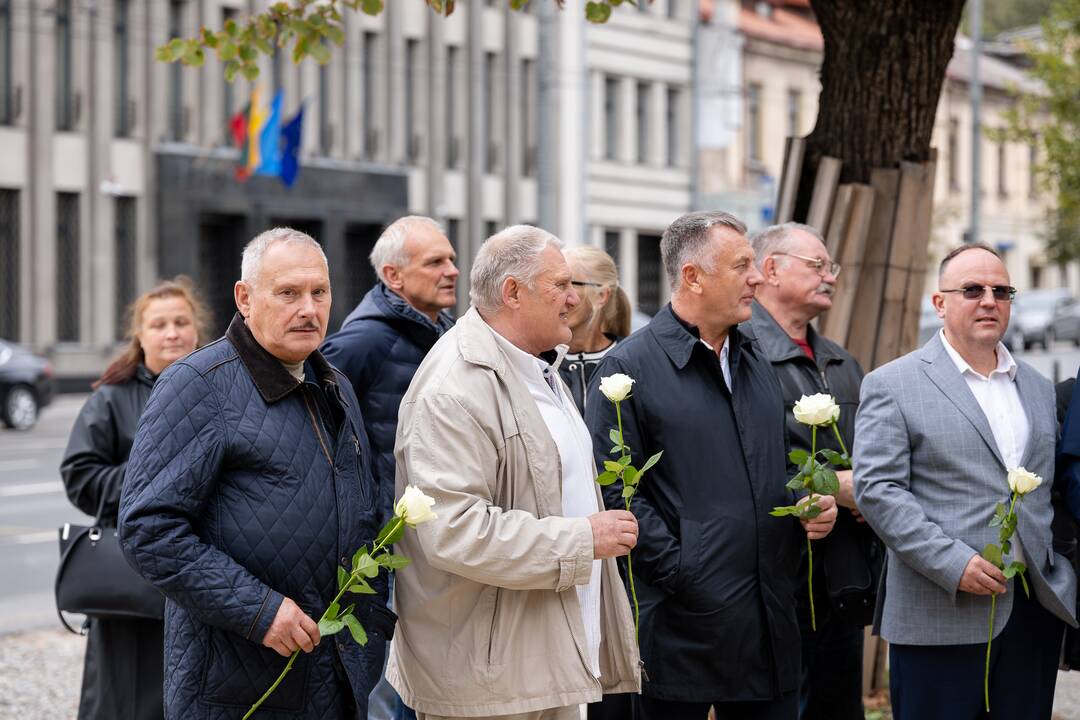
40,672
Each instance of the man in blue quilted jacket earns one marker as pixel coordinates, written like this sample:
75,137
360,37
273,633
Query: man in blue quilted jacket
249,485
380,346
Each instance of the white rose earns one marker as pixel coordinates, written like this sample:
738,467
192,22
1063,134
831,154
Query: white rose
819,409
616,387
414,506
1022,481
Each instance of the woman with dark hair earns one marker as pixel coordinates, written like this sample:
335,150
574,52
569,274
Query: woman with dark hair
600,320
123,669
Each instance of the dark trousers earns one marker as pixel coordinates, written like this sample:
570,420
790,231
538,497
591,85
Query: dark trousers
946,681
832,665
785,707
613,707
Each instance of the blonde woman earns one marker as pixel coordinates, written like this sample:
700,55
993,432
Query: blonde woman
600,320
122,673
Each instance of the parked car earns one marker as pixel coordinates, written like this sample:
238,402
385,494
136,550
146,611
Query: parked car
1066,323
1033,314
26,386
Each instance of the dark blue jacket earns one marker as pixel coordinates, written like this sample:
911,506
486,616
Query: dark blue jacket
244,486
379,347
715,574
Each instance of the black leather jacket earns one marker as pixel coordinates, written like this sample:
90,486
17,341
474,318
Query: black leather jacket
852,553
577,369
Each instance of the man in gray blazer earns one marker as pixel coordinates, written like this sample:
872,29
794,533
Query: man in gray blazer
935,435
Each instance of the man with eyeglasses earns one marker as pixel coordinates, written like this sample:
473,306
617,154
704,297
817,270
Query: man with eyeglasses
799,279
935,436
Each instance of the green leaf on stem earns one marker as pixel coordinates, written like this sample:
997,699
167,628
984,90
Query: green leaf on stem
1006,547
809,512
798,457
330,627
356,629
357,555
361,587
615,436
612,466
831,456
606,478
992,553
628,491
342,577
1023,582
795,483
650,462
616,449
631,476
624,460
785,510
392,562
368,566
393,531
1014,568
332,611
828,484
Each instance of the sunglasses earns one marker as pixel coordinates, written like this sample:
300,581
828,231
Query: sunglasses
1001,293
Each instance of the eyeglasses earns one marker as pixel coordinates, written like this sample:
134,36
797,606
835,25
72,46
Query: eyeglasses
816,263
583,283
1001,293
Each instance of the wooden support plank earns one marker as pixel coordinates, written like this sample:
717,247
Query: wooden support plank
862,336
909,332
852,249
838,220
821,200
794,150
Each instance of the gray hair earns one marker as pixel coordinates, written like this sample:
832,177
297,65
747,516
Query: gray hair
686,241
390,247
254,250
777,239
512,252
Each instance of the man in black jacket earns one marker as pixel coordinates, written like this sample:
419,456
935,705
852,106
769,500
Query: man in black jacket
799,281
715,574
382,343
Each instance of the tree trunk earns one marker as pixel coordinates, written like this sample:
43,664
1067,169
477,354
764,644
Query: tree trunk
881,77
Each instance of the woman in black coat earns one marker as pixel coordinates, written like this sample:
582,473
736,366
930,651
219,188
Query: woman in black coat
599,320
123,669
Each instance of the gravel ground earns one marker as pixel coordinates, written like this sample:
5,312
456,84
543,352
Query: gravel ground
40,672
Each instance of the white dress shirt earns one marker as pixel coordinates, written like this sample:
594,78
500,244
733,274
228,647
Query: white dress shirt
999,400
578,467
725,365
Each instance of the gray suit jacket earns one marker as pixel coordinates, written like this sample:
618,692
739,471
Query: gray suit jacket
927,477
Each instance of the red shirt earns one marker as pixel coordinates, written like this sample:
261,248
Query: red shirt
805,347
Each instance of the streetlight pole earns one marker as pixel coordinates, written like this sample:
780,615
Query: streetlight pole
976,120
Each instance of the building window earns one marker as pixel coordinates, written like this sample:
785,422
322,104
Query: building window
954,154
65,100
529,95
490,228
648,272
673,9
453,230
674,97
611,125
794,120
9,264
611,244
326,128
753,123
491,157
368,76
7,91
67,267
642,112
453,129
122,119
124,257
412,136
1036,276
1033,170
1002,169
176,77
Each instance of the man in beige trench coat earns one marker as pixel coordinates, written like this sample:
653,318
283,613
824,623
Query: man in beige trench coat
512,606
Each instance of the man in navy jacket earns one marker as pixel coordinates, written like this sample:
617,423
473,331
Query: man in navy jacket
248,488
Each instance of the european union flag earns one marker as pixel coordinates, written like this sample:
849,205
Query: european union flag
291,134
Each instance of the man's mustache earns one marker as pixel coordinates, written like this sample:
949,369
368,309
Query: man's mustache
305,326
826,289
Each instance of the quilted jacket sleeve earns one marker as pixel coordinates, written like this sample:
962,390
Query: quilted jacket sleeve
172,474
449,455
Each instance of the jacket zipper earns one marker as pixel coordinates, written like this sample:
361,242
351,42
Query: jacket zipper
494,619
318,433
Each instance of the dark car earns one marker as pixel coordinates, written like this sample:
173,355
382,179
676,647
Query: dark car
1066,323
1033,314
26,386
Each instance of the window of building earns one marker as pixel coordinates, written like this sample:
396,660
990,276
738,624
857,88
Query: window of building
65,97
368,76
453,128
753,123
453,230
611,245
122,115
794,118
1002,169
649,273
9,264
7,91
954,154
642,112
176,114
67,267
674,131
490,228
1036,276
673,8
491,156
1033,170
530,100
124,258
611,124
412,135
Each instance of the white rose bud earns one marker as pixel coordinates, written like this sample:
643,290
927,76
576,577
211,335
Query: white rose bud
616,387
819,409
414,506
1022,481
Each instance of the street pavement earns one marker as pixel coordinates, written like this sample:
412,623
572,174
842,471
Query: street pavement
33,505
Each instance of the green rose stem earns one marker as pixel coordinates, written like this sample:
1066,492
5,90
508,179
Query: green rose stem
990,632
355,575
809,549
629,561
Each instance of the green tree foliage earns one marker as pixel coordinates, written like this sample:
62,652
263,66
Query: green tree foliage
1002,15
1051,121
307,26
